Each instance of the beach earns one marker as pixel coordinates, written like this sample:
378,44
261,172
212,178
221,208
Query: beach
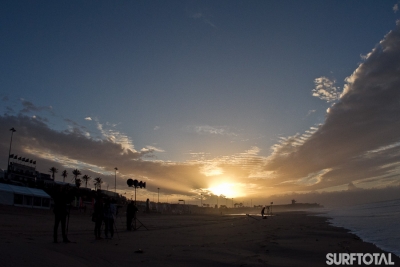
285,239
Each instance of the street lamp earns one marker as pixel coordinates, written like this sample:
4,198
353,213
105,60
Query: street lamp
115,181
158,195
201,200
9,151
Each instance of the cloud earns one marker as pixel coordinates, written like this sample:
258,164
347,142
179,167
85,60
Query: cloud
325,89
396,8
152,149
357,140
358,143
115,136
197,15
88,118
156,128
207,21
310,112
30,107
238,167
210,130
203,17
74,148
96,152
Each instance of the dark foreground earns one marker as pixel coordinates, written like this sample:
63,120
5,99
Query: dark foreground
287,239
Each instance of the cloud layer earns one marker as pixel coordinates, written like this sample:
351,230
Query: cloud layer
357,142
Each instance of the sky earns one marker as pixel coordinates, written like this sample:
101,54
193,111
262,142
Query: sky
250,100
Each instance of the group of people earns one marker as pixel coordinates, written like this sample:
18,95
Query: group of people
104,210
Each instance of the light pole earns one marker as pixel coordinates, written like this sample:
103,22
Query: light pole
158,195
232,202
201,200
115,181
9,151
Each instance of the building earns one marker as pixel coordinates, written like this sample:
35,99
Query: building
24,174
24,196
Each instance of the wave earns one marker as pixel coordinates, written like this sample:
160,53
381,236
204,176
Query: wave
376,223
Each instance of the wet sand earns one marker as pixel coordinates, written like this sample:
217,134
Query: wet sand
286,239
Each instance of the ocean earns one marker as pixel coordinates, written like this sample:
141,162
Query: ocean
377,223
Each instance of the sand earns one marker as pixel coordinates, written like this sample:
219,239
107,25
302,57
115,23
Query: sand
286,239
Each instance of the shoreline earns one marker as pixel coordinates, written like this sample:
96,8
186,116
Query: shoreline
285,239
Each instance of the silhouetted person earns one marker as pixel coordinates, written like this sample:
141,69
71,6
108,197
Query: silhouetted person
98,216
61,201
109,215
262,212
130,215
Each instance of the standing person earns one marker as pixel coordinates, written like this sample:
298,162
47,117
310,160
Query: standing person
262,212
130,214
98,216
61,200
109,215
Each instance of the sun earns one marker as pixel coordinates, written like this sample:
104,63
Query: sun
229,190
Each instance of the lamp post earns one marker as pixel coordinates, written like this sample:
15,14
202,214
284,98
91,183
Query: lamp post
115,181
158,195
232,202
9,151
201,200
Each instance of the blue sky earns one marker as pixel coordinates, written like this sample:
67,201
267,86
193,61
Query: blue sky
187,91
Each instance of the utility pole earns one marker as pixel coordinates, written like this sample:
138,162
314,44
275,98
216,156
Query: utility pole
115,181
9,151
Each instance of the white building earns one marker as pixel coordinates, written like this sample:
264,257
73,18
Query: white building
24,196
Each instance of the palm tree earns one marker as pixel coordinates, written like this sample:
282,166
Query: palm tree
78,182
86,178
76,173
64,174
97,183
53,170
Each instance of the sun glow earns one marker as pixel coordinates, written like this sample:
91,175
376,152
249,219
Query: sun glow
228,190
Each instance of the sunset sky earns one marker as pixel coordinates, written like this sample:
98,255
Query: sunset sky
245,99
